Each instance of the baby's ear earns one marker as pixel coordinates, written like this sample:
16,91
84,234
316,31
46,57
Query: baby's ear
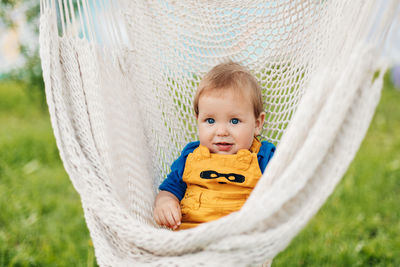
259,123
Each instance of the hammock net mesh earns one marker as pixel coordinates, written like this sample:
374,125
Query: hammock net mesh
120,78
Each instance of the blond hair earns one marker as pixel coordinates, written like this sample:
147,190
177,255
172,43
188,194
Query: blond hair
232,76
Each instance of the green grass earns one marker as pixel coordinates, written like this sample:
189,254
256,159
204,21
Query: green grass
42,224
359,225
41,220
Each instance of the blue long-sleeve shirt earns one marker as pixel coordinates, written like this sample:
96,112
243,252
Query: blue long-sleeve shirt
174,183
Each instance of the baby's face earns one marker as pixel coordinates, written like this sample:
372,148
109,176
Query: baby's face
226,122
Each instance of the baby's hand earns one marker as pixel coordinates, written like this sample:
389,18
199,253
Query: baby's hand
167,210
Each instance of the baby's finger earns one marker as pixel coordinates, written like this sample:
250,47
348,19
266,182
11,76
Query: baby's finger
164,220
170,219
176,214
159,220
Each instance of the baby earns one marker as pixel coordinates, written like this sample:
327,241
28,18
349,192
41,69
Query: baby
215,175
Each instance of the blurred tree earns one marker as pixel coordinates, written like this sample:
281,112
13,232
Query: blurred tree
30,74
5,7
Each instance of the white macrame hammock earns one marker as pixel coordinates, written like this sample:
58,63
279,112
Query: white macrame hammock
120,78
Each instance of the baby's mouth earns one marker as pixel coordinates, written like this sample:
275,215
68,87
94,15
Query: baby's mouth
222,146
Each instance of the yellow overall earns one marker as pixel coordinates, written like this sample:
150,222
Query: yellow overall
217,184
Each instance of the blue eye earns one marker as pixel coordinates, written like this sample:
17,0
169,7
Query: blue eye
210,121
234,121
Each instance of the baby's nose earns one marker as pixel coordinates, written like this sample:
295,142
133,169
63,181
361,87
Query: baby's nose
222,130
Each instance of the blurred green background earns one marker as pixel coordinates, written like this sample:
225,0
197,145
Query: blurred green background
41,219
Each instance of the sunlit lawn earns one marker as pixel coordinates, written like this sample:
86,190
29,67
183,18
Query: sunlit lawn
42,224
41,221
360,223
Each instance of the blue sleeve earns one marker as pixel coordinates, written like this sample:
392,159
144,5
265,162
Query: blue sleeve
174,183
266,152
